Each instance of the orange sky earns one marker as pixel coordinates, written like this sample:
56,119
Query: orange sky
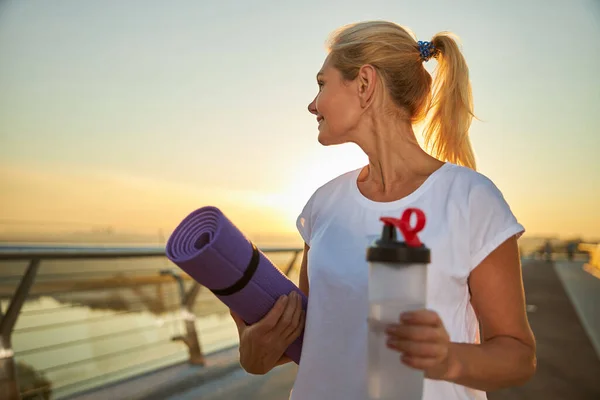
110,119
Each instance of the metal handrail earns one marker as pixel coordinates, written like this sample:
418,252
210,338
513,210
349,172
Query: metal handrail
26,253
36,254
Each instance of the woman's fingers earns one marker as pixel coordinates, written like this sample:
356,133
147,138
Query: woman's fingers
421,317
421,338
284,325
419,362
415,332
239,322
421,326
416,349
278,328
271,320
292,327
296,312
298,329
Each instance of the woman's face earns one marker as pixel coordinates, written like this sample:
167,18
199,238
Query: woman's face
336,106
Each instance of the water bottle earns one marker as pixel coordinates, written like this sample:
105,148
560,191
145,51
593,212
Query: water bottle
397,283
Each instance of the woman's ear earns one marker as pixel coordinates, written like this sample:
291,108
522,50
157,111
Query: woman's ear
367,80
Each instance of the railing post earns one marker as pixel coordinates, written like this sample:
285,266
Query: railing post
9,386
291,264
187,304
191,339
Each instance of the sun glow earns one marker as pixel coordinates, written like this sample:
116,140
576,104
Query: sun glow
312,174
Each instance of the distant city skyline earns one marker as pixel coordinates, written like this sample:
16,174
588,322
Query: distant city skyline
133,114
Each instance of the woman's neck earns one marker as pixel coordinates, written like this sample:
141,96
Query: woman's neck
397,163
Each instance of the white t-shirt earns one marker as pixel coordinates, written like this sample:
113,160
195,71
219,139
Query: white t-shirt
467,218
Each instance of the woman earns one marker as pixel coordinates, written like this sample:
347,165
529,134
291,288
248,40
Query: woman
373,88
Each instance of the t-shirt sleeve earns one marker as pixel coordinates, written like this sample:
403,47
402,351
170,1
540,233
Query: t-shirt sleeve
491,221
304,222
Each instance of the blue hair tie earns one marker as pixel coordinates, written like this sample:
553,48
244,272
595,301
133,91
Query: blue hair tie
427,50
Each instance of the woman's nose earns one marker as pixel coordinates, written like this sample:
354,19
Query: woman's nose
312,107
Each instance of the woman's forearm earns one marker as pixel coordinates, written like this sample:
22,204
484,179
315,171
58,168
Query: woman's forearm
498,363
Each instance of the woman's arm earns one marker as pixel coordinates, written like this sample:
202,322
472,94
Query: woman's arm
303,286
506,356
303,280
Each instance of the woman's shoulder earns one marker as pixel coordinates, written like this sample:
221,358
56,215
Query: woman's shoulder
467,176
486,218
463,183
321,200
470,190
336,184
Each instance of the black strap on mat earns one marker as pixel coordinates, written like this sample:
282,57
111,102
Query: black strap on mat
243,281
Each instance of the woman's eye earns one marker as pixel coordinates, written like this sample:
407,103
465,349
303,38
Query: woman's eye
320,84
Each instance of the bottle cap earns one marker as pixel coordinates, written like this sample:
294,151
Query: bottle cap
388,249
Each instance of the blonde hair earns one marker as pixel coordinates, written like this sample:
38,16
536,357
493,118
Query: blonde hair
446,103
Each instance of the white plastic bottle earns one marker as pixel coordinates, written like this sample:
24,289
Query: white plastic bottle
397,283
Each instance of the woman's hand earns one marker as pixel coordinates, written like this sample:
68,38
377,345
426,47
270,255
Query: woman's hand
262,344
423,341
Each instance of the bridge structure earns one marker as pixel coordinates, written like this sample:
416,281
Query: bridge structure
124,323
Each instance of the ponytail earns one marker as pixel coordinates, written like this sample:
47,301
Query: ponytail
451,110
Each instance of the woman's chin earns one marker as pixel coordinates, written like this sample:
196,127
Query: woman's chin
325,139
328,141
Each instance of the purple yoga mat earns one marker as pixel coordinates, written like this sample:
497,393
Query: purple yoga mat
216,254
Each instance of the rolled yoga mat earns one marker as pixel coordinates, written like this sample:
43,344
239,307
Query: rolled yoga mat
216,254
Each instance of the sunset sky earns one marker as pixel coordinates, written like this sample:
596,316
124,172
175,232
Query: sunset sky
132,114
